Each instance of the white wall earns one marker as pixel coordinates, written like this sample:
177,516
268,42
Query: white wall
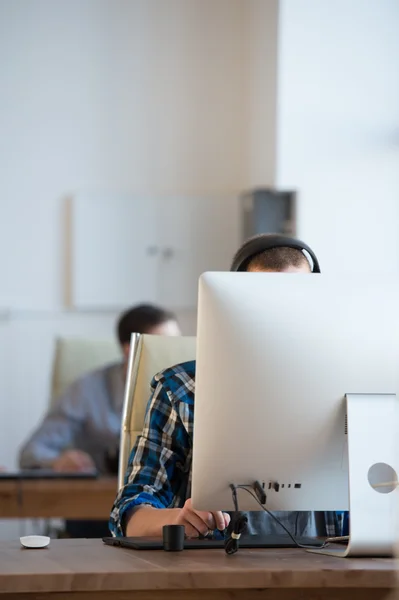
262,73
142,95
338,128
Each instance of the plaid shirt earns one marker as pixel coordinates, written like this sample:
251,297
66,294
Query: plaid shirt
159,470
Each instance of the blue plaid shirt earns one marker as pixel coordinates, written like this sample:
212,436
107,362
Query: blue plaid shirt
159,469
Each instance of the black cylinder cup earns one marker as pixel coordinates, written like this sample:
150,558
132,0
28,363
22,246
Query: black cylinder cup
173,538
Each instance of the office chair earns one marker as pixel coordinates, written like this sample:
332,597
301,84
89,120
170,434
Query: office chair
75,357
149,354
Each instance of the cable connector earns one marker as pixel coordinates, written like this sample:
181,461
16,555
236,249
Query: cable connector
260,492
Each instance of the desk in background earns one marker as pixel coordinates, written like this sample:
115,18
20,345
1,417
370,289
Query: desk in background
89,570
63,499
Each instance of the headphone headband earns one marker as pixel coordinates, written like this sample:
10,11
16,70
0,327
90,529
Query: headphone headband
267,241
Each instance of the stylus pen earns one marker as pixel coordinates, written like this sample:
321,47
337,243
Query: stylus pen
340,518
345,523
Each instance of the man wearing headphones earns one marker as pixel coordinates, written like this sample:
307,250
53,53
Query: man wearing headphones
158,481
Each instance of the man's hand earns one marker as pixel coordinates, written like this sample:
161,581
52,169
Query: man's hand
72,461
200,523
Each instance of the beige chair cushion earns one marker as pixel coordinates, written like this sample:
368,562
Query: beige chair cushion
151,354
74,357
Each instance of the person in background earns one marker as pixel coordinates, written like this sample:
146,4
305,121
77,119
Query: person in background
157,491
83,428
84,424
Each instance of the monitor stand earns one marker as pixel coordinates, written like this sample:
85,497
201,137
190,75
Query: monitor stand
373,462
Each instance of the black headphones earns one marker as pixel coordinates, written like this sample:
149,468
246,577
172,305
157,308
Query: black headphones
267,241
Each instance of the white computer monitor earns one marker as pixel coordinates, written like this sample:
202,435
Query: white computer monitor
291,369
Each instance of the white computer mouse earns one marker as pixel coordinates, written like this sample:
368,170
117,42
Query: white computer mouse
35,541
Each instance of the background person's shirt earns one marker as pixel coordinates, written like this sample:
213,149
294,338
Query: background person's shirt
86,417
159,470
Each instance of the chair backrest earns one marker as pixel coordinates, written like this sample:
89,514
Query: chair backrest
149,354
74,357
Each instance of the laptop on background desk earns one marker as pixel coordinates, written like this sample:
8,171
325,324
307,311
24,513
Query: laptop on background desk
44,474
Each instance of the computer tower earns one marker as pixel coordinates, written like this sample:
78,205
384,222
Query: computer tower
268,211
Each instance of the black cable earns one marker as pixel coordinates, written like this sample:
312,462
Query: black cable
234,494
298,545
236,528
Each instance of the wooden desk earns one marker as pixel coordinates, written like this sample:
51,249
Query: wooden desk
64,499
89,570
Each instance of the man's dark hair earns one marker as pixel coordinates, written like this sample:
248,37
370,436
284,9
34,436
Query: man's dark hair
277,259
141,319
